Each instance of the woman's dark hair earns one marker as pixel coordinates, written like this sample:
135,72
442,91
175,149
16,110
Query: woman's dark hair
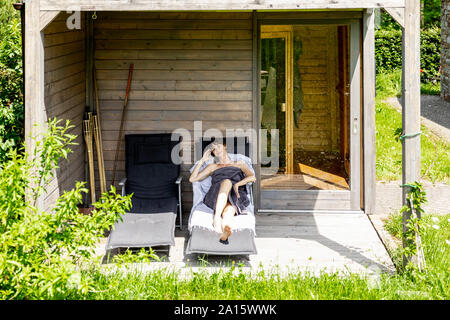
216,143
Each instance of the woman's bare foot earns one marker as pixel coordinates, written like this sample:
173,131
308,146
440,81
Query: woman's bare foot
226,233
217,224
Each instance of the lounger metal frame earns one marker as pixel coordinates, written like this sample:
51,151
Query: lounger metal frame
122,183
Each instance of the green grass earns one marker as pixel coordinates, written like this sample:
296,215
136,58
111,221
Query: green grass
226,285
430,88
435,239
390,85
235,284
389,151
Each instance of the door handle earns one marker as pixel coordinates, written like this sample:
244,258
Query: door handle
355,125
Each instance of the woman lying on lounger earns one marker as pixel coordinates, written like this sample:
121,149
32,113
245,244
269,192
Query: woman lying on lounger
225,175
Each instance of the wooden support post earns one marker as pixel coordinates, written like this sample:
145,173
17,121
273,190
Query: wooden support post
35,115
89,66
410,102
254,143
369,110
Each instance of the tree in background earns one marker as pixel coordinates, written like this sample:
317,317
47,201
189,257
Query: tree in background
431,13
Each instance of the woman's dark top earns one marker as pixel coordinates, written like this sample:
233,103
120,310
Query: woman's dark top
234,174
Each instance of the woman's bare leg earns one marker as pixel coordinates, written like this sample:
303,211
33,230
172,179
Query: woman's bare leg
222,199
228,214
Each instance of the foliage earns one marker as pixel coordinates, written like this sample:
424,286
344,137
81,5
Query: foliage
430,88
432,12
435,234
388,52
431,16
389,152
11,80
142,256
42,250
413,230
389,84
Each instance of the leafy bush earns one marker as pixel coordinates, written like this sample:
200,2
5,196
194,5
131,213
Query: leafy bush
388,52
41,252
11,81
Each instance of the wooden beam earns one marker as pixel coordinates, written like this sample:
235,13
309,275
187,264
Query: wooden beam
398,14
35,115
137,5
355,115
410,101
369,110
47,17
254,147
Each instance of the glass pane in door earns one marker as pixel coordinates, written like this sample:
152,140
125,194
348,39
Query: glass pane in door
273,105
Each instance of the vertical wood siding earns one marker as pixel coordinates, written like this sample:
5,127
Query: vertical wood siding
187,67
64,80
319,122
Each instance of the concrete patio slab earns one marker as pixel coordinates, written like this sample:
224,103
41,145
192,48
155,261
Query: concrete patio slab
287,243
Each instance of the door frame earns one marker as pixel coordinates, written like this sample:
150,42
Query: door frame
356,129
278,32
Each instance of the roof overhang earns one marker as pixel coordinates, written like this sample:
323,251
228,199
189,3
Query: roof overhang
185,5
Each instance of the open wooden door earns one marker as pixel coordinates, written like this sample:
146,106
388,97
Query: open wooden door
310,107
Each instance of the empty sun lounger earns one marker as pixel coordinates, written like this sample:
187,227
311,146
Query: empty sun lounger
155,183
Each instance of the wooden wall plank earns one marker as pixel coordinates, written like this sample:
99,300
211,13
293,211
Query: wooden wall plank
216,55
174,44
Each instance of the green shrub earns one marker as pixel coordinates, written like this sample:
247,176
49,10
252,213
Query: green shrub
388,52
11,80
43,251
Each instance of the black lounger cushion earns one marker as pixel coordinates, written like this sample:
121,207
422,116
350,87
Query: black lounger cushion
143,205
151,175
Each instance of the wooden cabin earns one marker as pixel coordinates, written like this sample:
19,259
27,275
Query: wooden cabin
306,68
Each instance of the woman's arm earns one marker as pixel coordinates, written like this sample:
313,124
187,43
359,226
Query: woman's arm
249,177
198,176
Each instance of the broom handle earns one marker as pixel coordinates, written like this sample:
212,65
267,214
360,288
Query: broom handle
98,137
88,137
130,75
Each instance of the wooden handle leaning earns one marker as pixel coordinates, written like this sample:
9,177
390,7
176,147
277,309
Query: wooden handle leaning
119,140
87,126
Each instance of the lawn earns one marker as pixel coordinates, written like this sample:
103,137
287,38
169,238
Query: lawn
434,162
